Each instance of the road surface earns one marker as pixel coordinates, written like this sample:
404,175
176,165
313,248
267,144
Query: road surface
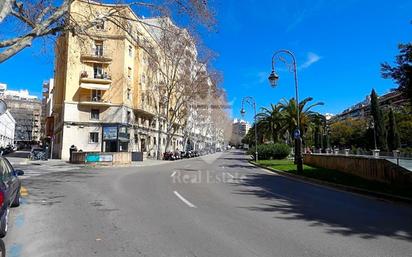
218,205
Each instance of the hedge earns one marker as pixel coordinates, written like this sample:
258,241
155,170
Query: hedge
271,151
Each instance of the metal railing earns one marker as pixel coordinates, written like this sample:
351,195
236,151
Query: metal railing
397,157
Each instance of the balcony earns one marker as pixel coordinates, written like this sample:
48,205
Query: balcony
95,81
96,55
94,101
145,109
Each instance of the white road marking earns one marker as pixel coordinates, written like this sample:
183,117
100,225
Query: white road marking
184,200
173,174
230,175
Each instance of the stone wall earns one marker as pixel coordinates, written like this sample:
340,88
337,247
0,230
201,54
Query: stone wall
380,170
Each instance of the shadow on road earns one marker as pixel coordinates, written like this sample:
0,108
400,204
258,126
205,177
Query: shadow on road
19,154
337,212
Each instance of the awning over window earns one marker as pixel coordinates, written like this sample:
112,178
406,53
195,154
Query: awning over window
95,86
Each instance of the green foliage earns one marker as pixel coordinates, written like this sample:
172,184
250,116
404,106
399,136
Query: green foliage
348,133
402,72
393,135
379,123
278,123
271,151
403,119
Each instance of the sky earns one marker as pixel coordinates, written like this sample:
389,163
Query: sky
339,46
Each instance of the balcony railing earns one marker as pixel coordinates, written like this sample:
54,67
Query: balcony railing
97,54
94,100
101,78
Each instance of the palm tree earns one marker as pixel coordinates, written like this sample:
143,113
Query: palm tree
271,122
289,112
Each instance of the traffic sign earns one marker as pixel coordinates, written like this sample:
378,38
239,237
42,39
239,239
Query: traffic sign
296,134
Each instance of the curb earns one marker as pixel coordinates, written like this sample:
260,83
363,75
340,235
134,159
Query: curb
375,194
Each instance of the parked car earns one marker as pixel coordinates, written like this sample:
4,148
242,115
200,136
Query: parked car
9,192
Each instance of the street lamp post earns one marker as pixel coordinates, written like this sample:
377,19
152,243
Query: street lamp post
374,134
273,78
250,100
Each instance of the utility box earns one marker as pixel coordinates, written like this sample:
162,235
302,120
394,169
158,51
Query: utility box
137,156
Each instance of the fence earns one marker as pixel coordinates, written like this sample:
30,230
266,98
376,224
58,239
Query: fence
399,158
375,169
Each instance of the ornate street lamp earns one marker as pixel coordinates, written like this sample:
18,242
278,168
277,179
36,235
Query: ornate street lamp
251,101
374,134
273,79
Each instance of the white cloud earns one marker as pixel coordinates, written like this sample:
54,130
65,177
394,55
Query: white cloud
312,58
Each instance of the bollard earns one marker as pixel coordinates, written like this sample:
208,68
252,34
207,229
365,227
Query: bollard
347,152
396,154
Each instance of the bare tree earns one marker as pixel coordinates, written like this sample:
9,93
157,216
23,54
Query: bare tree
44,18
177,75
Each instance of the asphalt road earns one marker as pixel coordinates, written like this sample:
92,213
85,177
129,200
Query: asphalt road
217,206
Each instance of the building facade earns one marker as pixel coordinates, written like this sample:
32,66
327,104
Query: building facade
7,129
26,111
103,98
239,131
362,110
47,115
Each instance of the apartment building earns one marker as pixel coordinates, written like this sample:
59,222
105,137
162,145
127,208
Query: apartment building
26,112
47,119
7,129
239,131
103,100
361,110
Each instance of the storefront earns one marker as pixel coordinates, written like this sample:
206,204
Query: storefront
116,138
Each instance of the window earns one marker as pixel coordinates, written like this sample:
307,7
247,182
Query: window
94,114
128,93
130,51
96,95
94,137
164,141
129,116
98,71
129,72
98,50
6,172
142,98
136,139
100,24
154,140
143,145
